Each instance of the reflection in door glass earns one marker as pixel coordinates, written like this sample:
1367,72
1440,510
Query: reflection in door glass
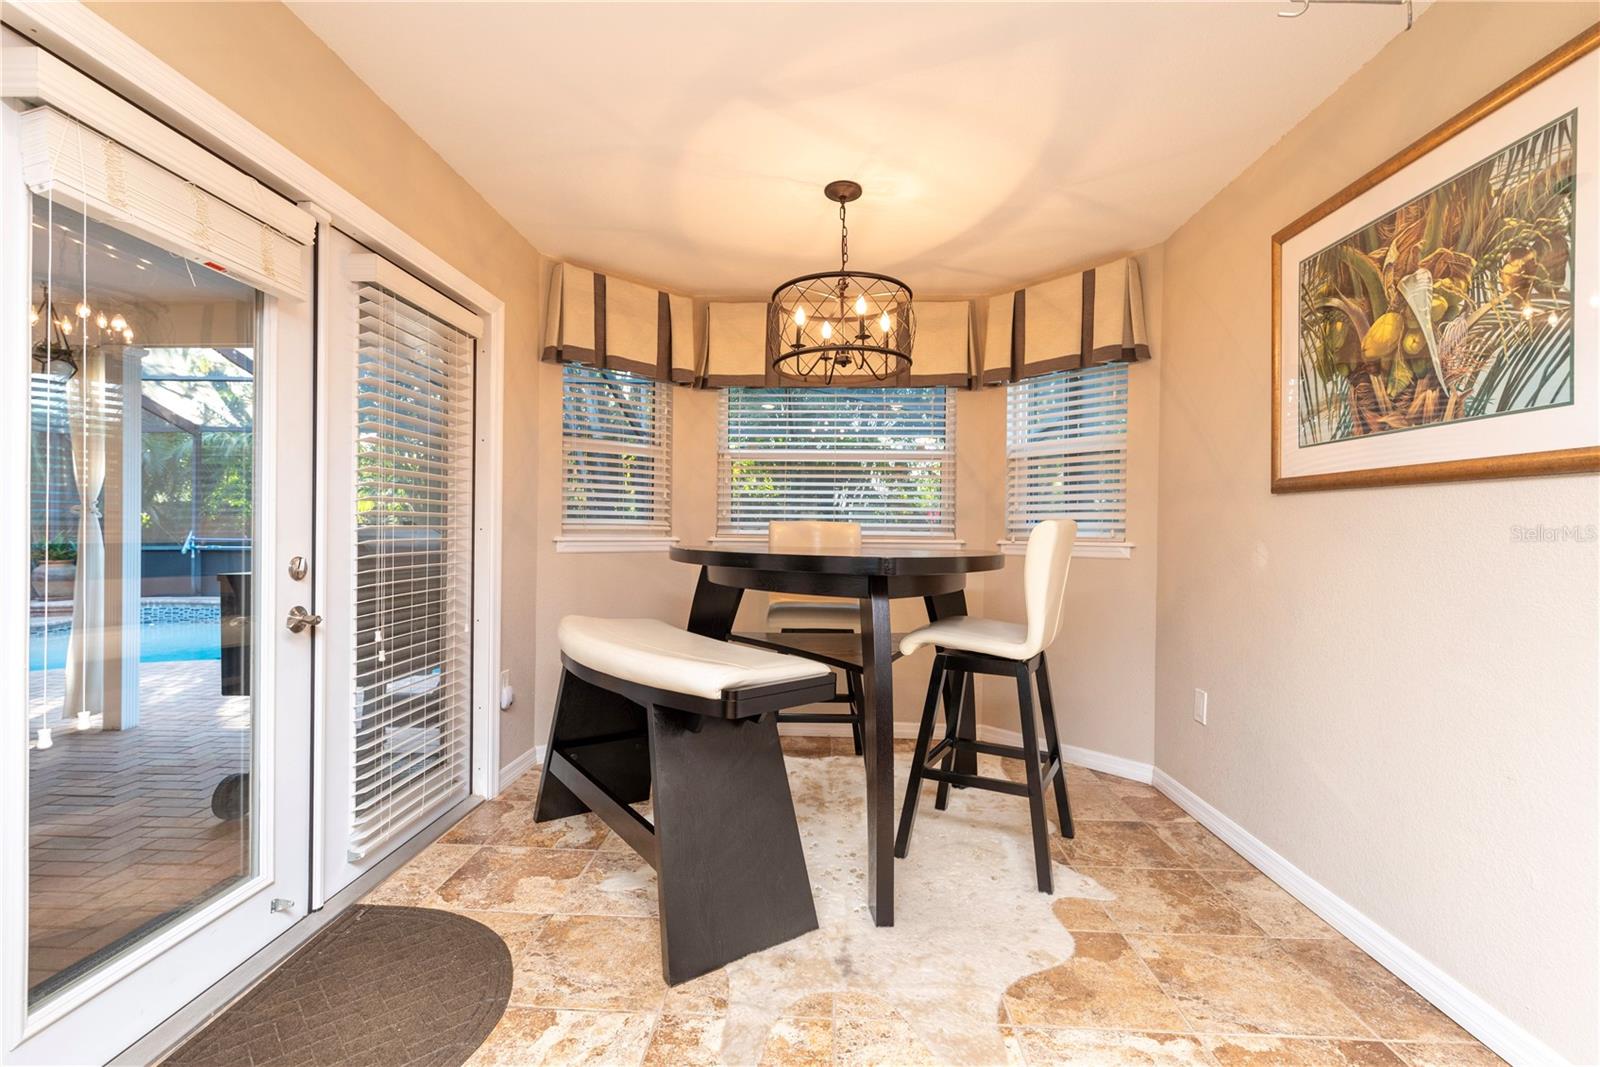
140,721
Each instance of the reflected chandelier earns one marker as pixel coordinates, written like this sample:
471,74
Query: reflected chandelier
845,323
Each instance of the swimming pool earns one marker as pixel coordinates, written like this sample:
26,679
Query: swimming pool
184,630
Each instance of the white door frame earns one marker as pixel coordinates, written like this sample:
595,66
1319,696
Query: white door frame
331,870
96,1016
93,45
97,48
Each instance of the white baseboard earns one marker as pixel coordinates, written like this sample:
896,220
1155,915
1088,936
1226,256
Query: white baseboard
1120,766
509,773
1477,1016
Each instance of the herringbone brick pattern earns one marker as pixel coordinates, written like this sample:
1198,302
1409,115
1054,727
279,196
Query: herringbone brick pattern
121,833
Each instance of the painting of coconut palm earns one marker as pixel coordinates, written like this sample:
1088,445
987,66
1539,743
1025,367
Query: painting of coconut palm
1457,305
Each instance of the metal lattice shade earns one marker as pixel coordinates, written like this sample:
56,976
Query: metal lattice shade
841,325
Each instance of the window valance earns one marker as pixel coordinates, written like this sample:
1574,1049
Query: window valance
615,324
254,235
736,348
1077,320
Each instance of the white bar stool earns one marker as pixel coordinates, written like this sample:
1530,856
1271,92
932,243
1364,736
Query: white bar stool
968,646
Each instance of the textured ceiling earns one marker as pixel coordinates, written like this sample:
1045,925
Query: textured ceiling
688,144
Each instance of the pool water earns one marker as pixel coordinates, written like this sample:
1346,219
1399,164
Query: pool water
159,642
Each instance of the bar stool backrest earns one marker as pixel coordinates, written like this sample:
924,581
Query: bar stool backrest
799,535
1044,581
803,535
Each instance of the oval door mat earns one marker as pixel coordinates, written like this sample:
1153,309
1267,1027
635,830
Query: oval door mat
390,987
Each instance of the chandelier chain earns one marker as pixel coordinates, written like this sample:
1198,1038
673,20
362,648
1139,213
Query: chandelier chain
844,238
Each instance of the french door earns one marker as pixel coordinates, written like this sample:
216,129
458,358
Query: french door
396,406
156,396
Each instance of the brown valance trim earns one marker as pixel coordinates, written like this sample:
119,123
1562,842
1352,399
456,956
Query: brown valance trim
602,322
1073,321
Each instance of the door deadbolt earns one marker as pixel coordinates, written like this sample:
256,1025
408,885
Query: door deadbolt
300,619
298,568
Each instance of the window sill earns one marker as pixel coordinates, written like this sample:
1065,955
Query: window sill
614,543
1080,549
943,544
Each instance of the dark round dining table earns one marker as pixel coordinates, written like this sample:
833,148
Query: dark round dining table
874,576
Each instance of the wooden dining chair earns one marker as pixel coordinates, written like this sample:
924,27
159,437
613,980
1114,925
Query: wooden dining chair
799,613
968,646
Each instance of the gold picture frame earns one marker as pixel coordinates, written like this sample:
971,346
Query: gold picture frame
1584,458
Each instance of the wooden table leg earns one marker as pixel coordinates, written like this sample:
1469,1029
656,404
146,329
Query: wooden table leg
877,661
944,606
714,607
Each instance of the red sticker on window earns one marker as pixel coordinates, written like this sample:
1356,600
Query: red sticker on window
218,267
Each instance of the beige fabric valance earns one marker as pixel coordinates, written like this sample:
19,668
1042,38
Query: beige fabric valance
1077,320
619,325
945,351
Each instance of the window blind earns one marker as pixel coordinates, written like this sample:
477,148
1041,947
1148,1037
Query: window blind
884,458
413,567
1067,451
260,241
616,452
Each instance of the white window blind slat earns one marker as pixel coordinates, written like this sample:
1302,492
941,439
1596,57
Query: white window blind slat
884,458
616,452
411,723
1067,451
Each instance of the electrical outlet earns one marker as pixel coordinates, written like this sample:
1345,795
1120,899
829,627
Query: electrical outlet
1200,706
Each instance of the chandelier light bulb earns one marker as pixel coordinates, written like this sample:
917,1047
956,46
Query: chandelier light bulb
1527,311
84,311
861,304
119,323
883,321
101,321
799,316
827,330
33,316
127,335
66,324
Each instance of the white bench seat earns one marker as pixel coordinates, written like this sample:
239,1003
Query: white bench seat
653,653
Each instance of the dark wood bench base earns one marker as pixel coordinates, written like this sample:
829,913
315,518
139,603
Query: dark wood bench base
730,872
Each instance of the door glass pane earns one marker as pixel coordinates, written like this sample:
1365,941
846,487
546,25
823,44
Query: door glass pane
141,726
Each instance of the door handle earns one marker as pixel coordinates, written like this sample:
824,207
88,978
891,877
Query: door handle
299,619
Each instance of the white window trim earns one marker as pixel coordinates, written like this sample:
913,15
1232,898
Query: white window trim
1087,549
621,542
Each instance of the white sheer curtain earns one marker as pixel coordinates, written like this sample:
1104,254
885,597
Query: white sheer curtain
85,670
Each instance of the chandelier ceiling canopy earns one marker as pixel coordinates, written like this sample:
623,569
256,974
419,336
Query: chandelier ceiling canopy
841,323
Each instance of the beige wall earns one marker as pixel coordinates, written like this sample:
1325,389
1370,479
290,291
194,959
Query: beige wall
1403,701
265,64
1102,667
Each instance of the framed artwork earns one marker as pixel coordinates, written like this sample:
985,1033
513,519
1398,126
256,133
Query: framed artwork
1439,319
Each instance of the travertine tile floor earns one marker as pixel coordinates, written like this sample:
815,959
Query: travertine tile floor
1181,952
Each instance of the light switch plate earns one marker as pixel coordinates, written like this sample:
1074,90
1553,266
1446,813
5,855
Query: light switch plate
1200,706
